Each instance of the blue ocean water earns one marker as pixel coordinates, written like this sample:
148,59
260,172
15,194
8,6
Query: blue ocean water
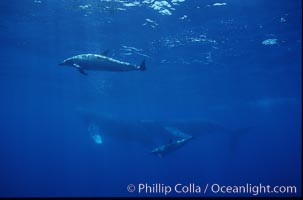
233,65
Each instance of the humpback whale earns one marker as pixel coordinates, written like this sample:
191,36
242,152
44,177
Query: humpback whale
100,62
157,137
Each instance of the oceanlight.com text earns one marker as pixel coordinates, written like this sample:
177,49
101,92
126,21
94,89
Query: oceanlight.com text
207,189
254,190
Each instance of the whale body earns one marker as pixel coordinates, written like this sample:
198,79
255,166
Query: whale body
171,146
158,137
100,62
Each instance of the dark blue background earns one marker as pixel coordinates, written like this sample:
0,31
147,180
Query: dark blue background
45,150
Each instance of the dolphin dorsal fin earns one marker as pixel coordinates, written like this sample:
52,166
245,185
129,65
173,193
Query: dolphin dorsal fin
105,53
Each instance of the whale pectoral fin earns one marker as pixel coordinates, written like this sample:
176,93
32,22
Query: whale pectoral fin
177,133
94,131
81,70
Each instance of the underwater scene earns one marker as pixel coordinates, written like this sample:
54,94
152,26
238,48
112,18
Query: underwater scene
151,98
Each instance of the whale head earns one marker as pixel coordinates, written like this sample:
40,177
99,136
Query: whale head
67,62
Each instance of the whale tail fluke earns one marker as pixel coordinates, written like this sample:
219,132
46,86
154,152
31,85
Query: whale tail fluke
142,66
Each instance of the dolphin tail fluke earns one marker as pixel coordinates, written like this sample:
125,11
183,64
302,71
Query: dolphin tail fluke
142,66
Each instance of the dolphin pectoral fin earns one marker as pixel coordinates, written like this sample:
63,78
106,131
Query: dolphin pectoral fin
105,53
76,65
81,70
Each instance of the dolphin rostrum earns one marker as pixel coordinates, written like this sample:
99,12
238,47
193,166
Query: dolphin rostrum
100,62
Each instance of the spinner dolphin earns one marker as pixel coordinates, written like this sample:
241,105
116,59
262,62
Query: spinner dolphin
100,62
